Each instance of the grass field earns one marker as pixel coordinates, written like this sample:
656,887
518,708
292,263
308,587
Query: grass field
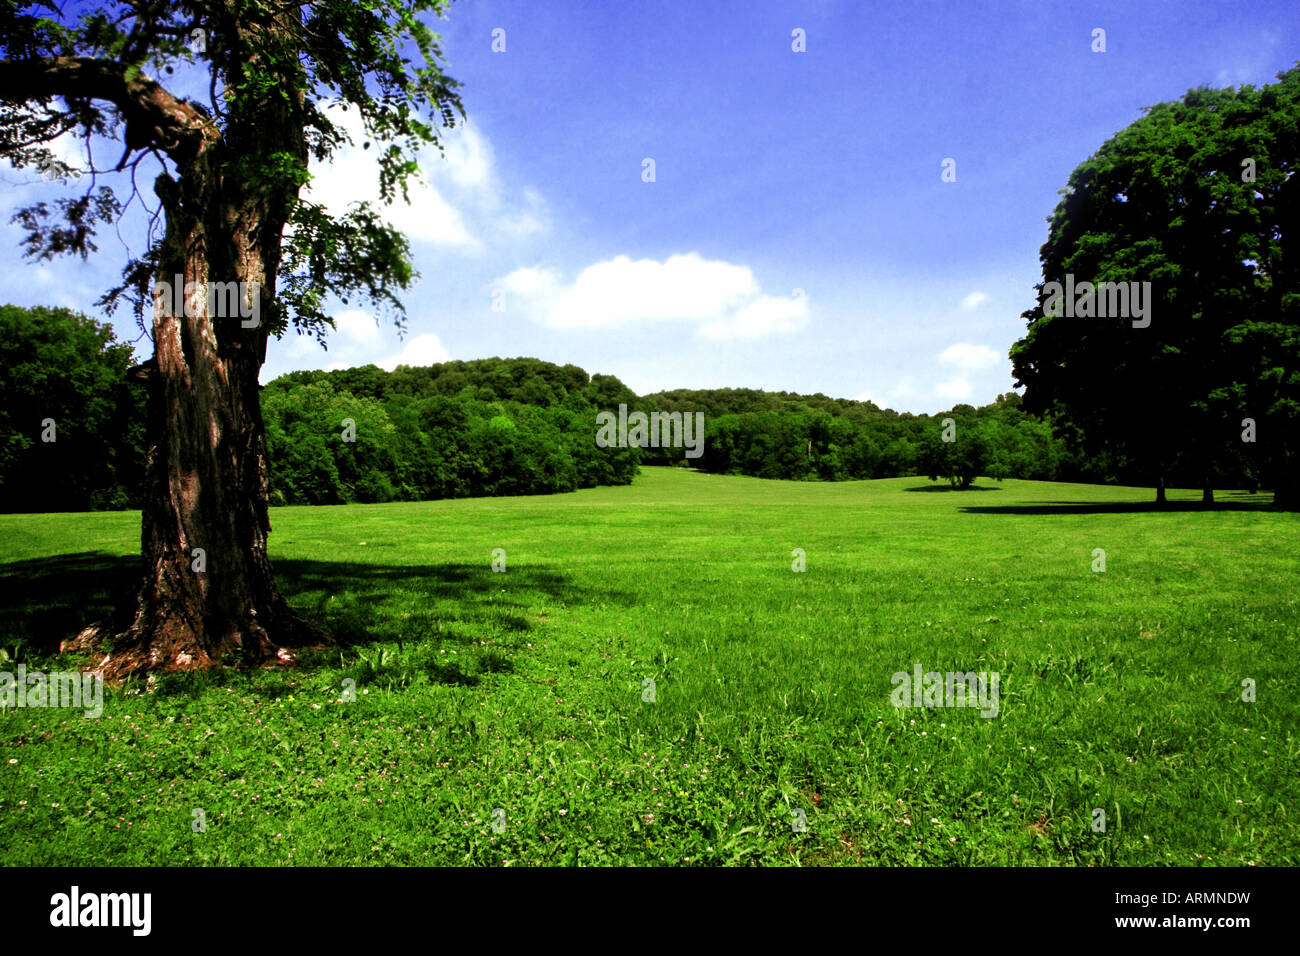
525,690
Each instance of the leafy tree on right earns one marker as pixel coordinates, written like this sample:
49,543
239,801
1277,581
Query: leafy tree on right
1198,198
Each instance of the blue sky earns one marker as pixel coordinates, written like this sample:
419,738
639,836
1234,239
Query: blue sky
797,234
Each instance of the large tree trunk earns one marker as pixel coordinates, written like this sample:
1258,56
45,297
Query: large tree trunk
1207,491
206,472
1160,490
207,596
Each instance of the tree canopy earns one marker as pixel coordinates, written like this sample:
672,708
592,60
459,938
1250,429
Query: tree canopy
102,74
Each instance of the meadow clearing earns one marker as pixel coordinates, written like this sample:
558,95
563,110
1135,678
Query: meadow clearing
506,717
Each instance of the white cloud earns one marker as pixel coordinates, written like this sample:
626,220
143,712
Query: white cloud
298,347
357,326
953,388
965,355
975,300
531,281
469,163
723,300
468,158
69,149
424,349
768,315
353,176
357,340
455,187
621,291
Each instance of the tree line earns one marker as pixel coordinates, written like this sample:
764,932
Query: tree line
459,429
72,425
477,428
503,427
813,437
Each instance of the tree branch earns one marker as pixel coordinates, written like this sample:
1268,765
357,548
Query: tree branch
154,117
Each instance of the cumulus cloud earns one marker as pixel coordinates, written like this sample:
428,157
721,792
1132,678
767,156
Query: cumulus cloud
425,349
722,300
457,200
357,326
621,291
975,300
352,176
768,315
531,281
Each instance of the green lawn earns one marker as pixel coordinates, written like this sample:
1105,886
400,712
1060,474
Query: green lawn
524,690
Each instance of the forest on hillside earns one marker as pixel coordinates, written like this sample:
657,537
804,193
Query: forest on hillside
72,430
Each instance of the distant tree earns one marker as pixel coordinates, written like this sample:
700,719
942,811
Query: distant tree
962,460
71,423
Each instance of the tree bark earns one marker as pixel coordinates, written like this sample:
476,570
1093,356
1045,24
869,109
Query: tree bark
1160,490
1207,492
208,596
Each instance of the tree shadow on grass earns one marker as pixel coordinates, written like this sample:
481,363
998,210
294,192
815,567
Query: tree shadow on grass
1116,507
47,600
947,487
364,603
